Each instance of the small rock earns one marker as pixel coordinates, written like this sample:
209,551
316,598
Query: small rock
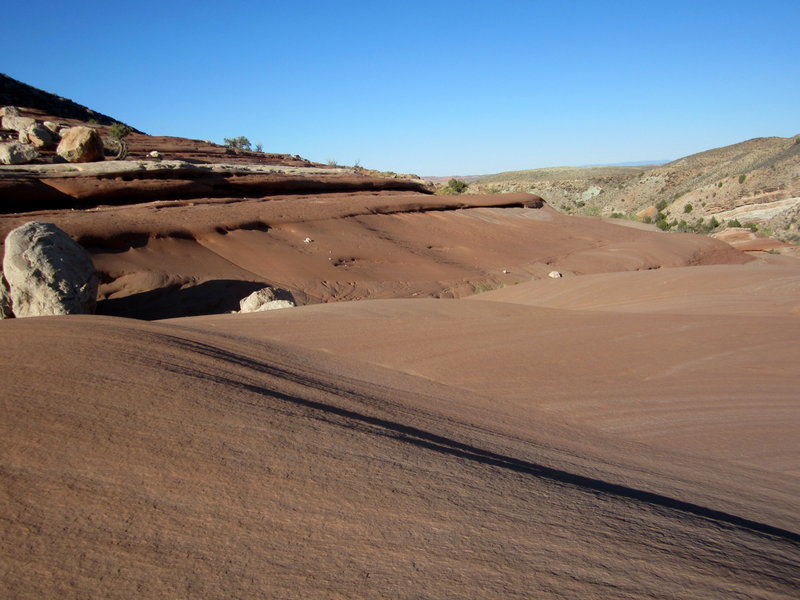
16,153
52,126
266,299
81,144
155,154
308,240
554,274
47,272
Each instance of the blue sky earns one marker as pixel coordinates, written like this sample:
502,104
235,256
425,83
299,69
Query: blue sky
434,88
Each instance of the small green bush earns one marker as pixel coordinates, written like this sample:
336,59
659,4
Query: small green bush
662,204
456,186
119,131
734,223
688,208
742,177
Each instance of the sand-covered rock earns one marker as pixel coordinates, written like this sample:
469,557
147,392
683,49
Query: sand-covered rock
81,144
266,299
47,272
17,153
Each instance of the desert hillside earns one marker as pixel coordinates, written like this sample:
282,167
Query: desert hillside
756,183
475,396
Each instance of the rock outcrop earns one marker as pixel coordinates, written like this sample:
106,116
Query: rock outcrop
81,144
16,153
47,272
266,299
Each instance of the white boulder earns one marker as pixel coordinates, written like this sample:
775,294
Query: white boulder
266,299
554,275
47,272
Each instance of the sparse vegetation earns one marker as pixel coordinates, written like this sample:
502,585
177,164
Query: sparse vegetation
238,143
687,208
481,287
453,187
332,162
259,147
119,131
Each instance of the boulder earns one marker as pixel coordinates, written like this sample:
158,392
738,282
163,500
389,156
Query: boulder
5,299
16,153
47,272
39,136
80,144
9,111
266,299
18,123
554,275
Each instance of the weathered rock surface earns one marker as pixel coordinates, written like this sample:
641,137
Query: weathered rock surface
16,153
5,299
81,144
17,123
9,111
47,272
39,136
266,299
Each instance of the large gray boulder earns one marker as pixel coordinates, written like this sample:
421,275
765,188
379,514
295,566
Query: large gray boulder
17,123
266,299
80,144
48,273
16,153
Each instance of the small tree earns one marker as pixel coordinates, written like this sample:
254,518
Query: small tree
239,143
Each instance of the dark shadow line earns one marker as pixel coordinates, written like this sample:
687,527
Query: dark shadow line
438,443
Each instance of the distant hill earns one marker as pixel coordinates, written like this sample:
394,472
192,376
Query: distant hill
756,181
16,93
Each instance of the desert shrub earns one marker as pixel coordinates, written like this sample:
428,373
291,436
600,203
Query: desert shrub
662,224
752,227
687,208
616,215
239,143
118,131
332,162
734,223
662,204
259,147
742,177
714,223
456,186
647,219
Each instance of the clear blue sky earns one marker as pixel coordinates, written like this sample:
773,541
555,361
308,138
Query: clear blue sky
434,88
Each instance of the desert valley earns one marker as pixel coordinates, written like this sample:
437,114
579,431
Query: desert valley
547,386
